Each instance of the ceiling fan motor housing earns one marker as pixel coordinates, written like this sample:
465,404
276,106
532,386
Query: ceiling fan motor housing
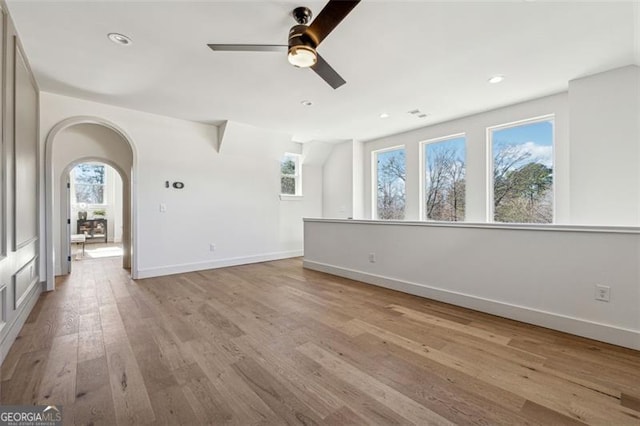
302,47
299,37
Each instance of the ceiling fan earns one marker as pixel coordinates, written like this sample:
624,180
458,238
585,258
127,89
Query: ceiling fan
304,39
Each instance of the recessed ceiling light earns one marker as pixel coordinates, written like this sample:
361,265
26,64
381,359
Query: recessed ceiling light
119,39
414,111
496,79
422,115
306,103
384,115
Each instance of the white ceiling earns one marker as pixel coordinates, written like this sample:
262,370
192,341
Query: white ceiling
395,56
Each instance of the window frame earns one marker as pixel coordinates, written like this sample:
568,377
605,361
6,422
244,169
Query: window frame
490,184
297,175
423,170
374,177
104,185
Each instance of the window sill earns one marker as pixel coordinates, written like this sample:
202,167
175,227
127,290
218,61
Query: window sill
286,197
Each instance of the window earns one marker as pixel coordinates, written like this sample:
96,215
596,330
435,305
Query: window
390,176
89,181
444,178
290,182
523,172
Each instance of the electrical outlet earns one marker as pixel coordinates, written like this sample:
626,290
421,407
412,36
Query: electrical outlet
372,257
603,292
212,247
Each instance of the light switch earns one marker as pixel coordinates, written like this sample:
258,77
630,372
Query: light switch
163,208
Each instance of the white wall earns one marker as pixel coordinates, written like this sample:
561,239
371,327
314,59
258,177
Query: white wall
536,274
605,148
358,180
230,198
337,182
292,210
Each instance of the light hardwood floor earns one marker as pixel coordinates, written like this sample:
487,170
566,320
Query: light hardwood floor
273,343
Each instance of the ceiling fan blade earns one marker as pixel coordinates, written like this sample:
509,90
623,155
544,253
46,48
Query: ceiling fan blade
329,18
328,74
248,47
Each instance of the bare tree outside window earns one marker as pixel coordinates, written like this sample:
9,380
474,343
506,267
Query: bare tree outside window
391,176
290,175
89,181
523,173
445,186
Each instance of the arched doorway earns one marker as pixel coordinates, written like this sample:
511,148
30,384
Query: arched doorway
70,142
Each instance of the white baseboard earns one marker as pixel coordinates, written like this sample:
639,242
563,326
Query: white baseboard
214,264
16,325
580,327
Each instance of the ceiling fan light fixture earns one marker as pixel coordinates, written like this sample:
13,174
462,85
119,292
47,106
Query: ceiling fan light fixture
302,56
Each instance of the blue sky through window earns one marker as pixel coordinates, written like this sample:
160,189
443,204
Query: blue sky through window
458,144
391,174
386,156
534,138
